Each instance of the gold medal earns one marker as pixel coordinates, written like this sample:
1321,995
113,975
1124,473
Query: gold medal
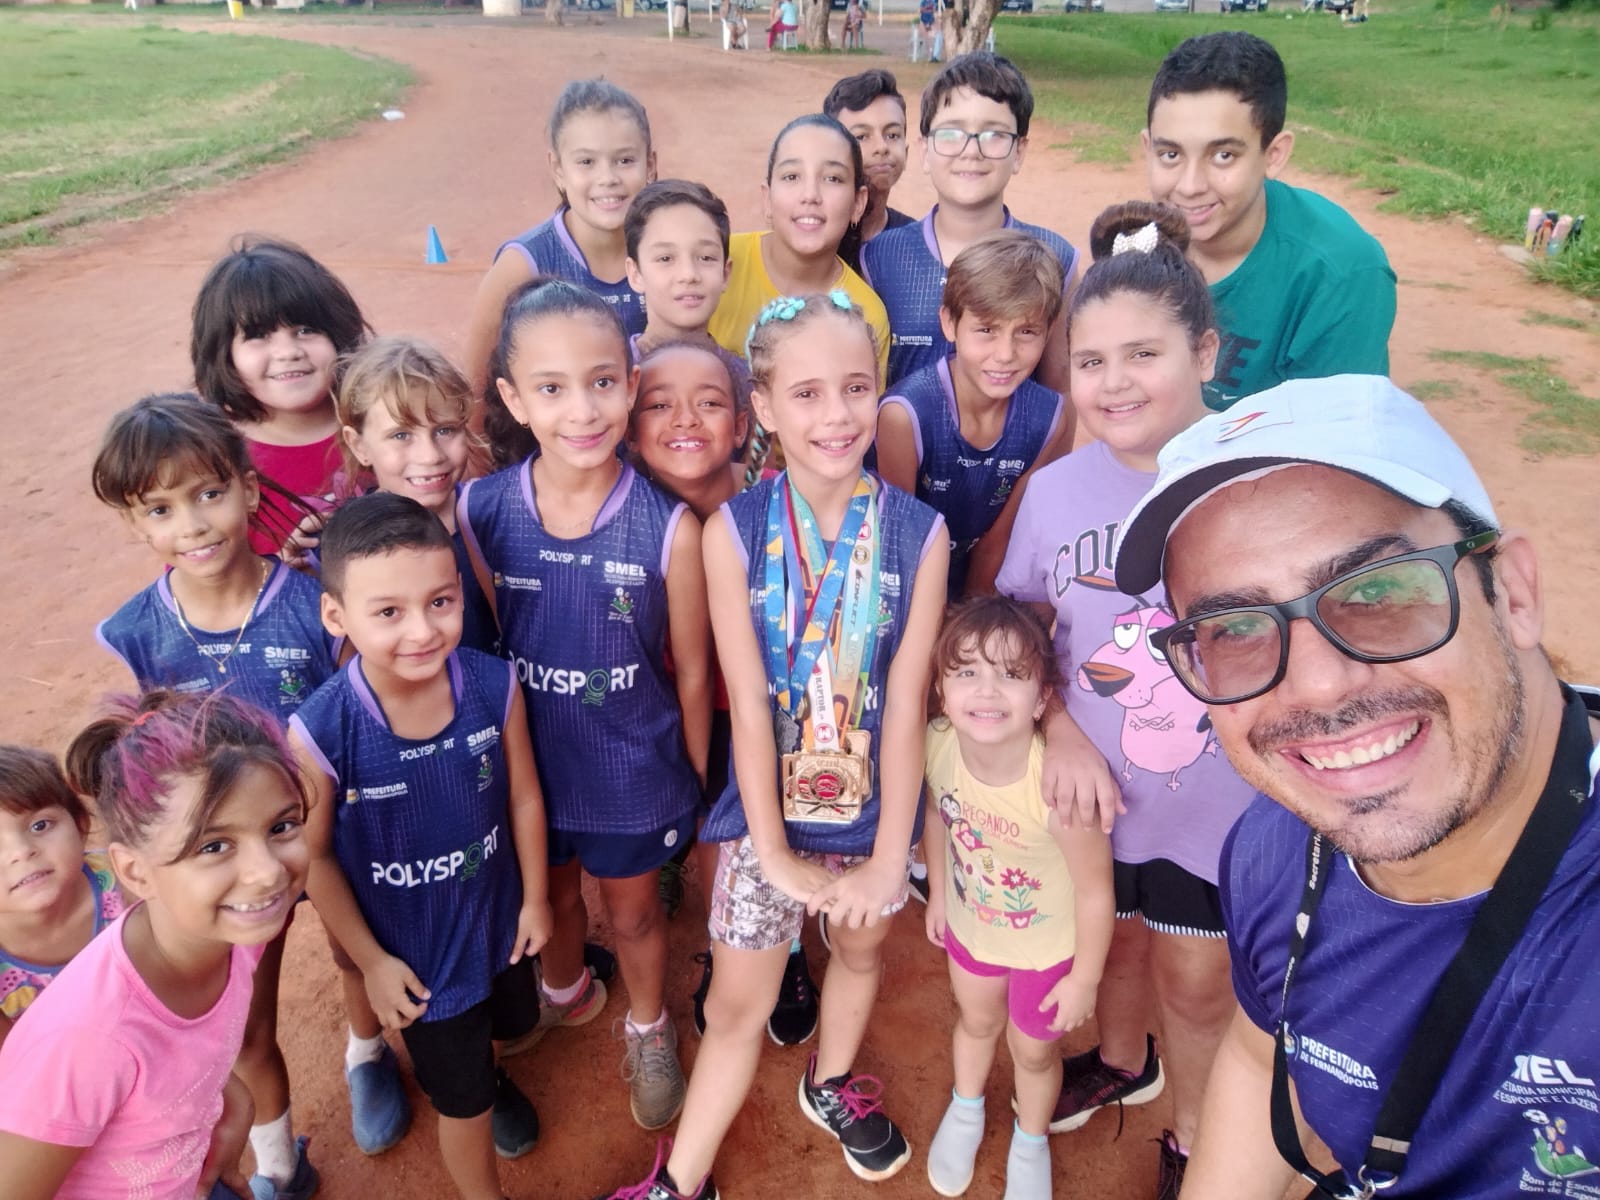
828,786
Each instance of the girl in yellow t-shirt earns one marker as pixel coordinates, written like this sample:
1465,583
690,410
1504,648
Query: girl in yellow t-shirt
816,189
1022,905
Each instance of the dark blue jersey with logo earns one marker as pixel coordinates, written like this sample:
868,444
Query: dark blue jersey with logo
968,485
549,251
283,655
422,827
585,622
906,528
905,268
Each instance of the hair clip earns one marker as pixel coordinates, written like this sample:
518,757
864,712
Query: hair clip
1143,240
784,308
143,717
840,299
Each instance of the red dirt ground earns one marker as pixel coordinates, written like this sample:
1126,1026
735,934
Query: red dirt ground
94,324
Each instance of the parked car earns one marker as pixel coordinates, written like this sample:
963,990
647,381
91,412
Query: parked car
1172,5
1084,6
1244,5
1017,5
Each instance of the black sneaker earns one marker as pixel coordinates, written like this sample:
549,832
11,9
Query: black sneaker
1169,1174
917,885
602,964
794,1017
659,1185
702,991
850,1107
1088,1085
515,1124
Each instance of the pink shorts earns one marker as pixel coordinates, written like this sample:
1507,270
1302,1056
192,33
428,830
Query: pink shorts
1024,989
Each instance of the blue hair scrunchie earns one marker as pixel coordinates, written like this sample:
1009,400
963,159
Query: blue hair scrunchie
787,308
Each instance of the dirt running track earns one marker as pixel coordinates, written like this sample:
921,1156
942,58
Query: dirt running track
91,326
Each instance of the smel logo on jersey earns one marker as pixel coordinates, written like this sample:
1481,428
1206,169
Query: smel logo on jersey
463,864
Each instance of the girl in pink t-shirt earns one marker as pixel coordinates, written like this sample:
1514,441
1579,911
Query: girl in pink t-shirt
54,895
119,1083
270,325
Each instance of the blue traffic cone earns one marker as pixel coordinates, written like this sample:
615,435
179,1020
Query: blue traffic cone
436,252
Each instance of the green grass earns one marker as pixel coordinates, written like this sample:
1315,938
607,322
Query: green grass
1433,389
1556,319
1431,100
98,118
1563,421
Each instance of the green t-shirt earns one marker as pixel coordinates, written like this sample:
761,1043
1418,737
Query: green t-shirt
1315,297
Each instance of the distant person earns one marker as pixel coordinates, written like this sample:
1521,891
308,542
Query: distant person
785,19
871,107
975,116
1301,290
855,20
932,35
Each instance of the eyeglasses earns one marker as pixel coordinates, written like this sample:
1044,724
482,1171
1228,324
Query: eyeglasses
1385,612
992,143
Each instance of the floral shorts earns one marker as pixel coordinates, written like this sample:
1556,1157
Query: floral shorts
749,913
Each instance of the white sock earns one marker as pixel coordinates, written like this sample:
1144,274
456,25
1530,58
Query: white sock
954,1148
565,995
359,1050
1028,1166
640,1030
273,1146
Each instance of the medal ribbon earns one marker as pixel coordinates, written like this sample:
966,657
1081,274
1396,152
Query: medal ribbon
835,639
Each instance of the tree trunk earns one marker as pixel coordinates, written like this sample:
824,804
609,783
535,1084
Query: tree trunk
814,16
967,25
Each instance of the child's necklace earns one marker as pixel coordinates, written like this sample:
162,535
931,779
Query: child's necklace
221,664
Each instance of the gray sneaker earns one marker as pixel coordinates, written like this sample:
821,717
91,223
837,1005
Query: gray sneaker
655,1080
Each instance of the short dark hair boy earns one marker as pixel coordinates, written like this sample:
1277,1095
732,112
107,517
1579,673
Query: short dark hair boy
871,107
1301,290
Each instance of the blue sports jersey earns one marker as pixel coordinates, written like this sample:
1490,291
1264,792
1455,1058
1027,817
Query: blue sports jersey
968,485
1517,1111
422,828
550,251
907,528
585,621
478,629
905,268
284,655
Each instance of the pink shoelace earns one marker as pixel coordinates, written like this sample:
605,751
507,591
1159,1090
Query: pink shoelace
861,1096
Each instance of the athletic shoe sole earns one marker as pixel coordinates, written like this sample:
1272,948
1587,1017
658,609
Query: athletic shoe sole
1139,1096
856,1169
573,1019
777,1041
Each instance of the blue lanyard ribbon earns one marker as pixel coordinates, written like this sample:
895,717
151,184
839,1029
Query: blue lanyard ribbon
796,598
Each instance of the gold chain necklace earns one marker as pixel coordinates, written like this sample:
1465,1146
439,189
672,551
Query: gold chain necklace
221,664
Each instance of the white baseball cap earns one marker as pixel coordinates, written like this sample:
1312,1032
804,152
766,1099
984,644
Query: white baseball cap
1363,424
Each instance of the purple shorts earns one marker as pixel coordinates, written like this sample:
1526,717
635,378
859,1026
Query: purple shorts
1024,989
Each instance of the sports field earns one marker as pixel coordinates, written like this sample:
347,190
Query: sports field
100,317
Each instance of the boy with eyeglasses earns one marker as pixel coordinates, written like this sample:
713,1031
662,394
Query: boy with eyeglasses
974,122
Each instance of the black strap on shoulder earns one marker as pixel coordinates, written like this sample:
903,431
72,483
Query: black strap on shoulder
1493,934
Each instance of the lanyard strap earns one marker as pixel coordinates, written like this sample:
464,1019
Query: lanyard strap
1494,932
813,640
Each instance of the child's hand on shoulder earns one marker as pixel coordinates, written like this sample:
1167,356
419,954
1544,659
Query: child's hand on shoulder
935,919
1077,781
298,546
534,924
1073,1000
397,996
858,897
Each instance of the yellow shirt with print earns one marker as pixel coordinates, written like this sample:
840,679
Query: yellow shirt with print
1008,894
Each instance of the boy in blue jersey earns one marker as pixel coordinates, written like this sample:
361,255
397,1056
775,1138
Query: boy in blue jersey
974,121
1301,290
965,433
427,826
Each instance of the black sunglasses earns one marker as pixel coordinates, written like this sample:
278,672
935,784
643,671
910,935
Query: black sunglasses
1385,612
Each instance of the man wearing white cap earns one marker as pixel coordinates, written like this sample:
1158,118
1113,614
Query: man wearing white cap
1414,914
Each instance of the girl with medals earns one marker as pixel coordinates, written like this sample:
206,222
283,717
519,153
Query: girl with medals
826,590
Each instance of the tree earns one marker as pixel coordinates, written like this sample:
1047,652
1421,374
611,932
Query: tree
814,16
966,25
